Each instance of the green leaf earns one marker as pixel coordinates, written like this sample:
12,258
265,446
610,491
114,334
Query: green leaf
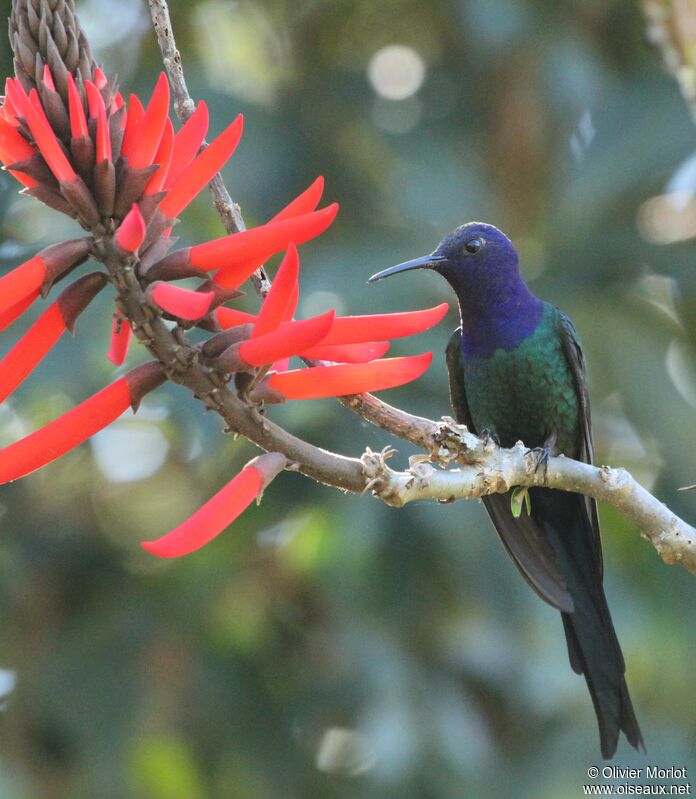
520,496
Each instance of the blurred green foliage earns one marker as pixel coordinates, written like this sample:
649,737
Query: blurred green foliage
326,645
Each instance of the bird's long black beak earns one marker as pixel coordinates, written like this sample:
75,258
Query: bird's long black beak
425,262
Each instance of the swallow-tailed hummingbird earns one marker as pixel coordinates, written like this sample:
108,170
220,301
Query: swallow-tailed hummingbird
517,372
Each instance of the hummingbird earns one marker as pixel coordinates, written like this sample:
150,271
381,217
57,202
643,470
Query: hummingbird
517,372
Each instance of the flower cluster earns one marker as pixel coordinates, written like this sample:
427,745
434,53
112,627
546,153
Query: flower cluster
122,171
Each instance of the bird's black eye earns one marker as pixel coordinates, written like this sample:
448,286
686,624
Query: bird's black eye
473,245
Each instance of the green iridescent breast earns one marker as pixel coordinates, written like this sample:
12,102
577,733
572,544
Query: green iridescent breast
528,393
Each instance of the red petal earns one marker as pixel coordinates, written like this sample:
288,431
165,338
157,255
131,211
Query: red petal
210,520
231,317
15,311
293,338
291,307
347,353
182,303
16,285
281,366
202,170
23,358
65,433
304,203
337,381
94,99
135,115
62,315
187,142
35,100
7,109
151,128
78,121
162,157
356,329
15,148
100,78
43,135
121,334
48,78
118,102
273,310
103,135
131,232
13,144
236,251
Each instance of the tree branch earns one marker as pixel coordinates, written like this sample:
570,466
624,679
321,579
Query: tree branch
487,469
184,105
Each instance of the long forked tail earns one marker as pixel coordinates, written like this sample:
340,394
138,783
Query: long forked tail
593,647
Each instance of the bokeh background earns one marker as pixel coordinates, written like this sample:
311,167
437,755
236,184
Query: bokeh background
326,645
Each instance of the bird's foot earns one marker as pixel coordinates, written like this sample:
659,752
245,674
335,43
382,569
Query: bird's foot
542,455
489,438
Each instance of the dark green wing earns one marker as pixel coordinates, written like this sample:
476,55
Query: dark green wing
524,541
576,361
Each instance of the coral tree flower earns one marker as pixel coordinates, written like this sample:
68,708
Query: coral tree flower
77,425
220,511
26,354
125,173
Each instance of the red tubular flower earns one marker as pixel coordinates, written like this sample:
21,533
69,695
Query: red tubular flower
15,311
14,148
210,520
116,103
43,135
304,203
48,78
78,121
291,306
35,100
136,112
356,329
151,127
349,330
293,338
196,176
181,303
7,109
281,366
231,317
94,99
187,142
342,379
234,252
275,306
103,135
121,334
22,359
131,232
22,282
100,78
220,511
39,272
347,353
77,425
162,158
13,145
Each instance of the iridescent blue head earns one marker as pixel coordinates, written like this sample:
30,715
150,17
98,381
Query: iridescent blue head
482,266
